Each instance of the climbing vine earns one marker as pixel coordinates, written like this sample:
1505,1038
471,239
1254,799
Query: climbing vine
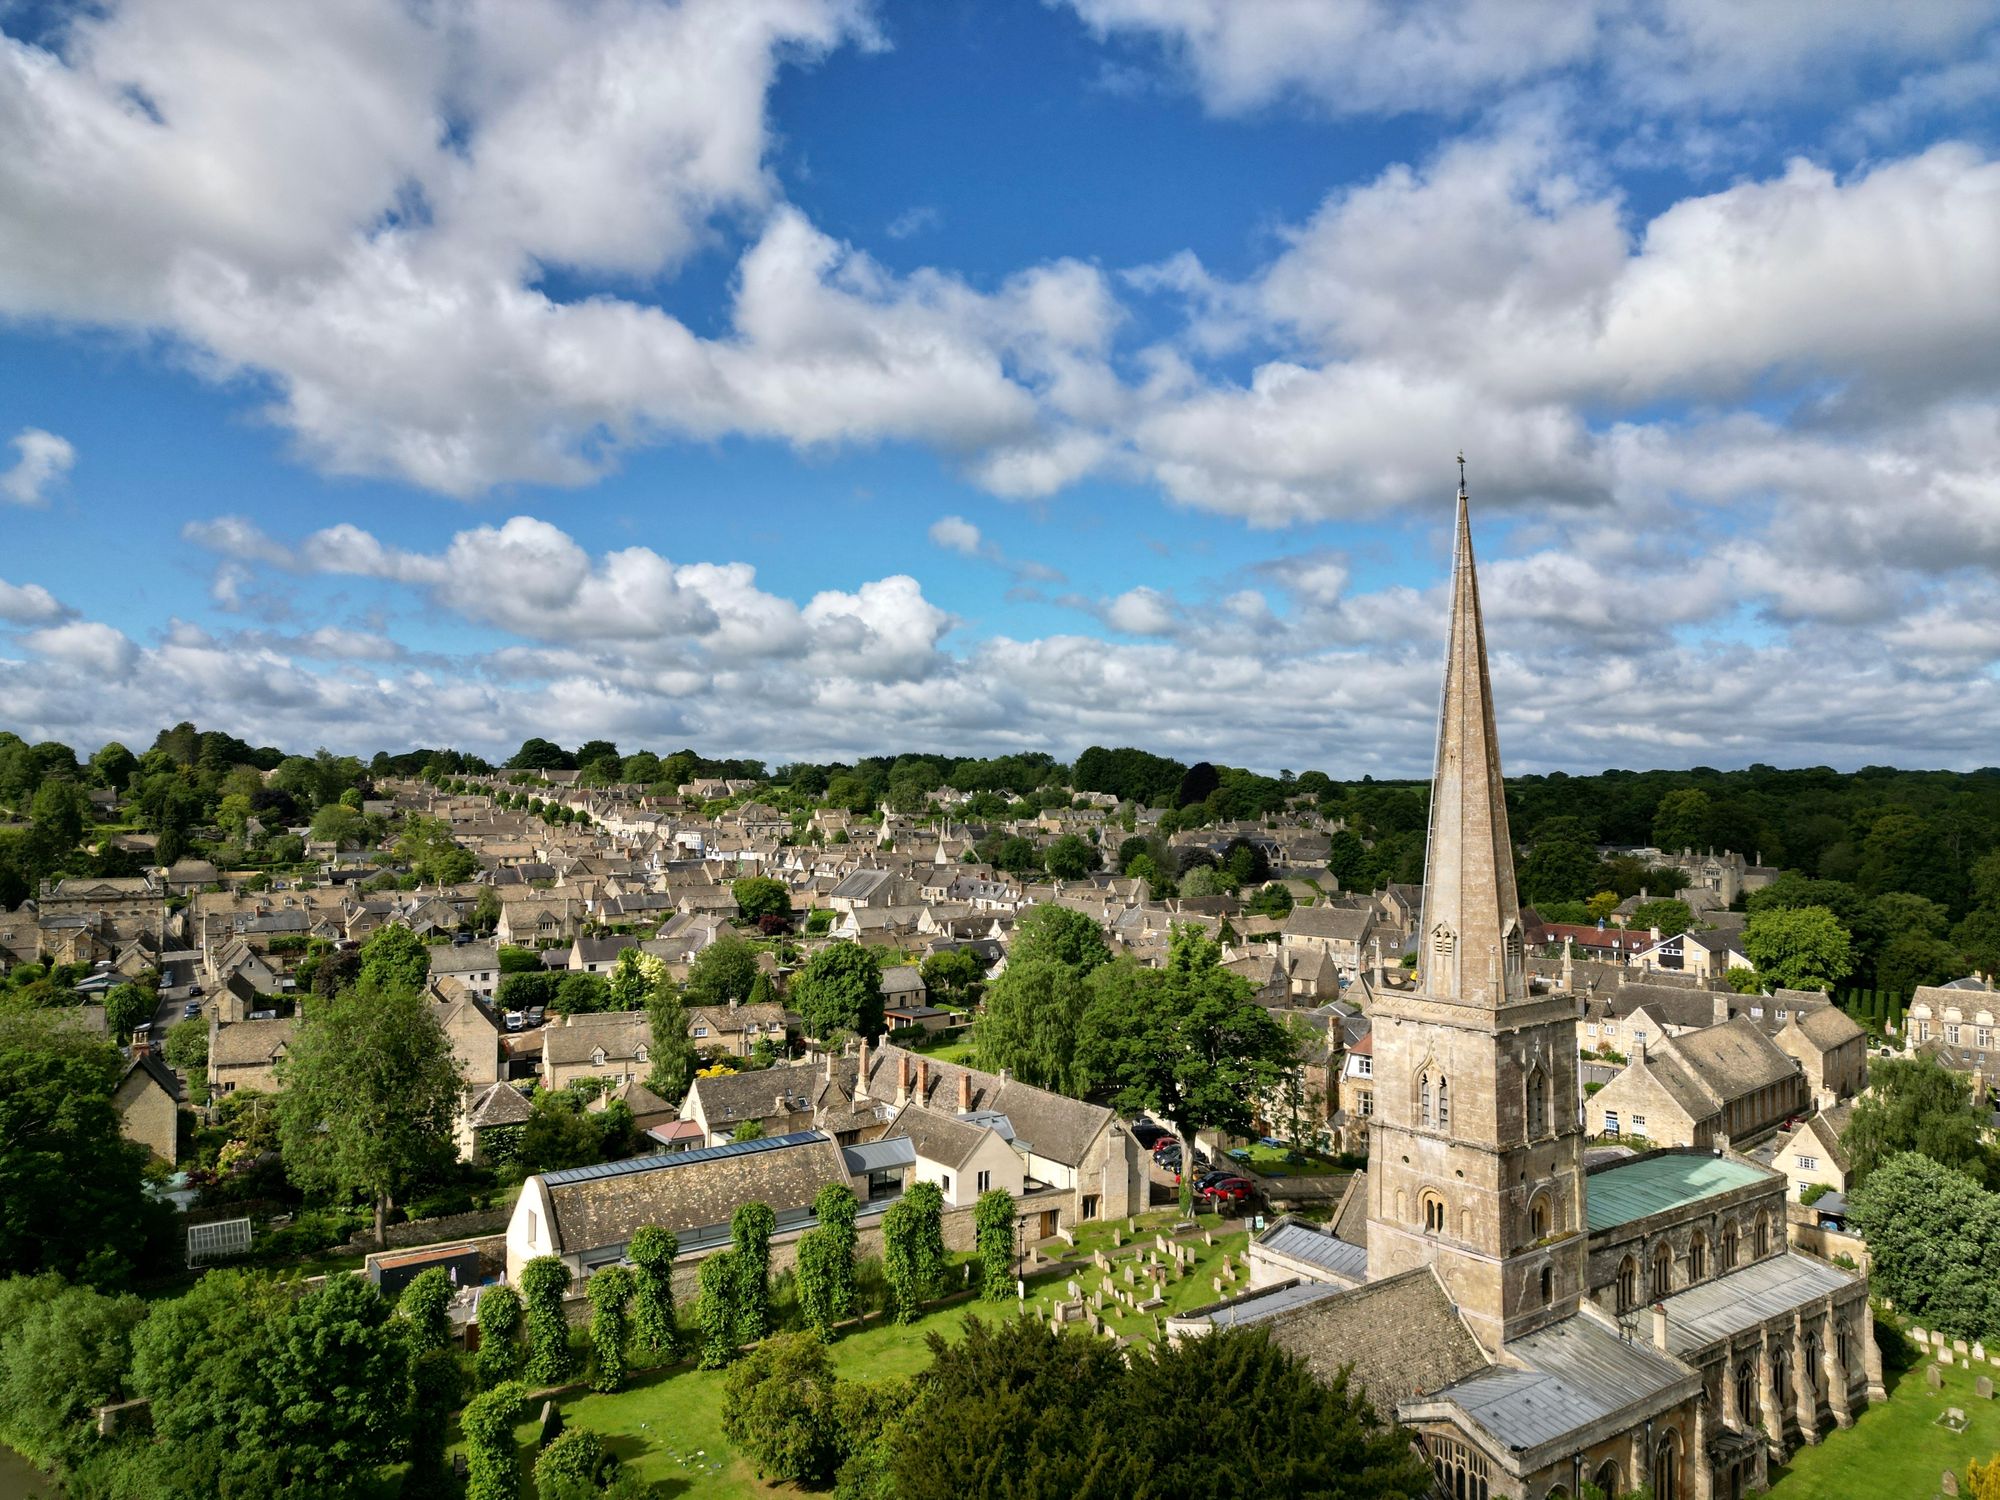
652,1253
499,1355
750,1229
544,1283
993,1223
826,1260
493,1469
913,1249
716,1308
610,1293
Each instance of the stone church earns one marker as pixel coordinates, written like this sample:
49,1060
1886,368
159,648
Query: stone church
1540,1324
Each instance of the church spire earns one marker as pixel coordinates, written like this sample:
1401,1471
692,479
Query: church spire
1471,933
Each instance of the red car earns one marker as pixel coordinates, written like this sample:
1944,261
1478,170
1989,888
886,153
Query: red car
1230,1189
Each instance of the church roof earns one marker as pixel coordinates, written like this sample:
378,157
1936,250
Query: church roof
1745,1298
1646,1185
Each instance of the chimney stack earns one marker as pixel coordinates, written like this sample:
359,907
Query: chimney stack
1721,1007
965,1093
902,1079
923,1080
861,1075
1659,1327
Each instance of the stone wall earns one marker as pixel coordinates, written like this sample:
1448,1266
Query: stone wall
476,1225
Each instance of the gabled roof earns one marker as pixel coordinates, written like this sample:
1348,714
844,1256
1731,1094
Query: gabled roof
158,1072
498,1104
940,1138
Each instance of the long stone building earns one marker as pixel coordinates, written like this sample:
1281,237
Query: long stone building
1539,1326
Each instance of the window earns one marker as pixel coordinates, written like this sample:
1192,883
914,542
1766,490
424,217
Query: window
1444,1105
1639,1036
1663,1271
1611,1028
1983,1038
1366,1102
1364,1067
1461,1471
1783,1014
1639,1124
1756,1012
944,1183
1923,1031
1548,1286
1538,1103
1951,1035
1697,1258
701,1031
1611,1122
985,1181
1763,1235
1628,1285
532,1229
1538,1217
1434,1220
1746,1396
1729,1247
1808,1163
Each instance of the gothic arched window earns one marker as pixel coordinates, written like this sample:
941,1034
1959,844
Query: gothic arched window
1443,1103
1538,1103
1539,1217
1729,1247
1628,1285
1746,1395
1663,1271
1697,1257
1548,1286
1763,1235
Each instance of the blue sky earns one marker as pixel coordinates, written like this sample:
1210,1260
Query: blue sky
811,377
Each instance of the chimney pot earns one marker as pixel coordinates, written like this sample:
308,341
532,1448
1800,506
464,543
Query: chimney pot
923,1080
1659,1326
965,1093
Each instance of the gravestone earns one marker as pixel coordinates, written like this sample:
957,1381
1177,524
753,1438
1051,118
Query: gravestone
1960,1346
1983,1388
1934,1377
1073,1289
1208,1236
1948,1484
1130,1275
1944,1356
1218,1286
1978,1351
552,1423
1919,1335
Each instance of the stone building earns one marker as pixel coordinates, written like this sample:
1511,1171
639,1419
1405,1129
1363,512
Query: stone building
1502,1307
1727,1085
148,1101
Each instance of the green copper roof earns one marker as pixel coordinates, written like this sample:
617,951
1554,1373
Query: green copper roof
1632,1190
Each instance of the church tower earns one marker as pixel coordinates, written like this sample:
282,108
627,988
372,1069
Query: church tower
1475,1158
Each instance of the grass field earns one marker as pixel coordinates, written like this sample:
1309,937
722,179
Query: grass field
667,1425
1896,1447
1275,1161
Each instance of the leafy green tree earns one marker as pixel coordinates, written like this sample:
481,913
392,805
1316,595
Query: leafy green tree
748,1130
840,989
723,971
186,1046
1805,948
125,1007
1347,861
1032,1020
1917,1105
954,977
63,1352
1272,900
1910,959
760,896
1683,821
571,1466
340,1391
652,1251
437,1388
1901,912
610,1291
750,1230
426,1309
113,766
395,958
1672,917
718,1298
1977,939
1187,1042
338,825
72,1195
1933,1244
1071,857
778,1407
1056,932
544,1283
371,1091
493,1465
993,1230
580,994
825,1271
1202,881
1559,869
913,1261
500,1353
434,856
58,816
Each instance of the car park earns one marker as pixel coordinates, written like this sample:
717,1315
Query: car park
1228,1189
1149,1135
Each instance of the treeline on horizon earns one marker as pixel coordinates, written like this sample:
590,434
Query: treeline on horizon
1854,839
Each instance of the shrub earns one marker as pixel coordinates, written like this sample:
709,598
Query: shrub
993,1223
750,1229
715,1309
500,1350
544,1283
610,1291
778,1406
493,1470
571,1465
652,1253
426,1305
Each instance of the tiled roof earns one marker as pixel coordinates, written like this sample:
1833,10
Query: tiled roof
1303,1242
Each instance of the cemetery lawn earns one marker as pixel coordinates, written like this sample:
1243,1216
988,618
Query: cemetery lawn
667,1424
1896,1447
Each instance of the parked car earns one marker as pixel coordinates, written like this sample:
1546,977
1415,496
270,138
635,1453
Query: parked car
1149,1135
1170,1160
536,1014
515,1020
1228,1189
460,939
1202,1182
190,1010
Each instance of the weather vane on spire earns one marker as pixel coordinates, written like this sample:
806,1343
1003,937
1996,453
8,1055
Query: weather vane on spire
1461,471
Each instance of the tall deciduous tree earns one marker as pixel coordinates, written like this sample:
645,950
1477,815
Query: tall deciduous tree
750,1229
723,971
1914,1104
1804,948
840,989
395,958
500,1352
340,1391
652,1251
371,1088
544,1283
1187,1042
1933,1244
610,1291
760,896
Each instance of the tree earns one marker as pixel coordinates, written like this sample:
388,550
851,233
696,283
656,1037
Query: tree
125,1007
750,1230
113,766
778,1407
1912,958
1683,820
580,994
1805,948
716,1303
570,1467
610,1291
186,1047
825,1268
723,971
1187,1042
1198,785
426,1309
954,976
652,1251
544,1283
63,1353
760,896
437,1389
1031,1022
493,1468
486,909
72,1195
840,989
371,1092
500,1353
338,825
1056,932
1559,869
1982,1481
1915,1104
1273,900
395,958
58,816
1669,915
1933,1243
340,1389
913,1249
1071,857
1246,863
993,1229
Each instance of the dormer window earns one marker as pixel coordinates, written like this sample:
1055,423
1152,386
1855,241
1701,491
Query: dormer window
597,1057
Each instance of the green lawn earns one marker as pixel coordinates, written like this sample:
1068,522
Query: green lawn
668,1423
1275,1161
1896,1447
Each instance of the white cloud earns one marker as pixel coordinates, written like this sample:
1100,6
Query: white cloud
43,460
28,604
1141,611
920,219
87,646
956,534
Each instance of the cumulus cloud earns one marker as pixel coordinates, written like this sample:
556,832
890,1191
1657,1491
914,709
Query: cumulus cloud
42,460
956,534
88,646
28,604
1141,611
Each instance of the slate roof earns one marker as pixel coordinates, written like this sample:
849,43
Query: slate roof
498,1104
621,1033
940,1138
248,1043
1050,1125
1743,1298
1304,1242
465,958
1332,923
595,1207
731,1097
1436,1348
158,1071
1262,1306
1829,1026
1629,1190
